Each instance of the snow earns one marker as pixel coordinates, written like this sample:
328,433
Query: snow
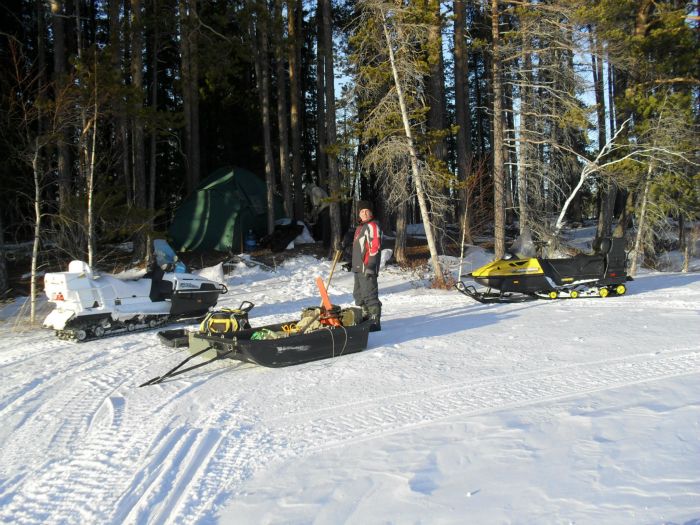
570,411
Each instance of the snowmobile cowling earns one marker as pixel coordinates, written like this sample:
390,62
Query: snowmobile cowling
92,306
601,274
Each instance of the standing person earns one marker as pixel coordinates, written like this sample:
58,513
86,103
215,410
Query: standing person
366,255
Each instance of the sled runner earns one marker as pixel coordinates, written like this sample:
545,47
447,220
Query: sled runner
521,279
91,306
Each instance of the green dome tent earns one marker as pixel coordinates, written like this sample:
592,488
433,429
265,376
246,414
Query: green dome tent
218,214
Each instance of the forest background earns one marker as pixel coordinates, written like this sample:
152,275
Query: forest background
472,117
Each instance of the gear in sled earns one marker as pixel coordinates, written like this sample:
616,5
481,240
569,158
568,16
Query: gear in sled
91,306
601,274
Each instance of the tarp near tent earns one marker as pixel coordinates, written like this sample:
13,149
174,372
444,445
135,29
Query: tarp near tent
220,211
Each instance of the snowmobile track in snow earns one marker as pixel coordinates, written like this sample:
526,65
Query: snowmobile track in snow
374,418
269,440
122,472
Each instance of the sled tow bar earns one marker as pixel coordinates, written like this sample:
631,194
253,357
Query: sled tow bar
176,372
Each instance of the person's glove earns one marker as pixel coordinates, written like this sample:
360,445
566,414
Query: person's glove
347,267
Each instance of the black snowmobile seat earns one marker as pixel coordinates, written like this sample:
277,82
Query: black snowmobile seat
602,246
160,289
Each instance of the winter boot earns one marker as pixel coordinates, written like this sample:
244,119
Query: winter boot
375,314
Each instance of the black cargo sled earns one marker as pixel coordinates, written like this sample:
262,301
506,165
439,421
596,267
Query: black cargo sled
310,338
517,279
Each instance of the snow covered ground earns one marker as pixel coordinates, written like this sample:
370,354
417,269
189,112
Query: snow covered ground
572,411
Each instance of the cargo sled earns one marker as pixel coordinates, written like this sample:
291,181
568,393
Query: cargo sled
516,279
310,338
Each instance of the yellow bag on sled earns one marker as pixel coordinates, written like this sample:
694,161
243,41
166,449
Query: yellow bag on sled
226,320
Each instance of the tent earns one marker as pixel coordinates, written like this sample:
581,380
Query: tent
220,211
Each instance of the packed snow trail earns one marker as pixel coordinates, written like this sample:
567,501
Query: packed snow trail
82,444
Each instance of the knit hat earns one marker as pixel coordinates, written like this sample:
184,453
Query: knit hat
364,205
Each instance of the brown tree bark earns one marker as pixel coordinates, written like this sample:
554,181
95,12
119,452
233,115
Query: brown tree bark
65,183
321,160
262,74
120,127
195,152
294,50
154,106
331,136
4,281
436,80
139,148
462,116
523,149
282,111
499,201
189,72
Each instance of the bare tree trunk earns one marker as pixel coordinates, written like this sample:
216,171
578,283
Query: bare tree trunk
333,177
121,133
641,222
617,85
140,248
480,135
195,154
509,174
186,82
294,33
400,241
523,160
262,73
59,61
436,103
154,105
37,233
321,159
463,117
417,179
436,80
607,195
282,110
91,179
4,281
499,202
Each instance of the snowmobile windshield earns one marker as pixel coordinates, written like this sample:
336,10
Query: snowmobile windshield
523,247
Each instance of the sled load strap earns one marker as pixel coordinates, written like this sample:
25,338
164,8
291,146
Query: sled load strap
176,370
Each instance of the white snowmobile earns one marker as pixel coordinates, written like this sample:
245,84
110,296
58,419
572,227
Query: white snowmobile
91,306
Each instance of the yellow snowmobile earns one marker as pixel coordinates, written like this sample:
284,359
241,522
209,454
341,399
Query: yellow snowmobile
516,279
